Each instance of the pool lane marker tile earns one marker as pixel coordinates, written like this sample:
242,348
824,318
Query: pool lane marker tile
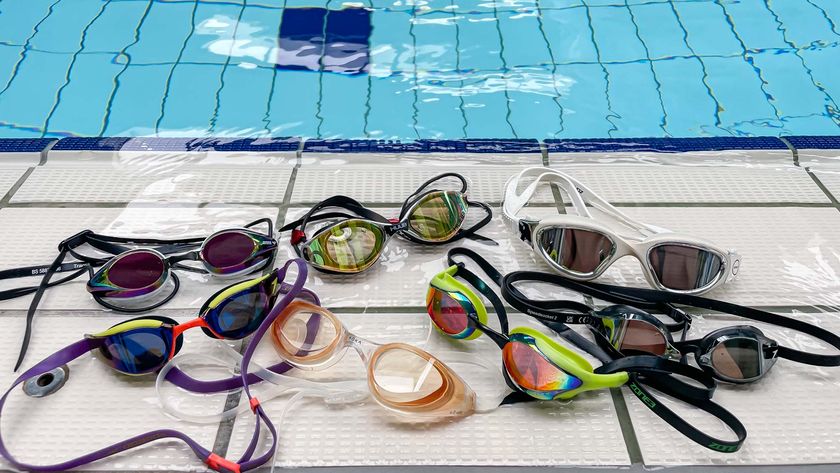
665,145
317,39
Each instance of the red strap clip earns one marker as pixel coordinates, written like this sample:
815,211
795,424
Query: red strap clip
297,236
255,403
394,220
221,465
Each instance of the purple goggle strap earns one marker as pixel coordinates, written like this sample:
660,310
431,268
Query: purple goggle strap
185,381
245,463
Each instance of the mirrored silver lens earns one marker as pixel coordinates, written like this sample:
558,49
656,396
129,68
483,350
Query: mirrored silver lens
580,251
737,358
684,268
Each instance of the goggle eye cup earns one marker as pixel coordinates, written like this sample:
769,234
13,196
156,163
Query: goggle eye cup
685,268
140,350
449,312
238,315
438,215
532,372
350,246
234,251
739,359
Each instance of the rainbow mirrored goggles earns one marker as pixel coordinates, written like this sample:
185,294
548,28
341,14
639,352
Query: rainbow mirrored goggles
533,362
355,236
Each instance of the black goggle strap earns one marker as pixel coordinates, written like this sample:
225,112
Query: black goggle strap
663,384
596,290
652,366
469,233
419,193
265,220
315,214
750,313
485,290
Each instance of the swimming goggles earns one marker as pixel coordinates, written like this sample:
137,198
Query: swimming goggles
537,365
141,279
144,345
583,246
356,236
401,378
738,354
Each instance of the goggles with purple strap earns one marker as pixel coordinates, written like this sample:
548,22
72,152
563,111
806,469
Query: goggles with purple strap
139,275
146,344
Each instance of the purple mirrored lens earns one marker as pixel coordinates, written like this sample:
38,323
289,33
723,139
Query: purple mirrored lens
228,250
684,268
581,251
136,270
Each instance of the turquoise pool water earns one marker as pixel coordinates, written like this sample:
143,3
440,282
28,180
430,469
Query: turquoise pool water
419,68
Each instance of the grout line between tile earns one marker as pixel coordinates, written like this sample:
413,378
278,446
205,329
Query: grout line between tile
5,201
46,151
793,150
628,432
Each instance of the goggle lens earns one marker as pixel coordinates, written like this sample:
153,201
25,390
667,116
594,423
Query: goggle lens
535,374
641,336
448,313
579,251
439,215
737,358
684,268
136,270
241,314
349,246
307,335
137,351
404,376
229,252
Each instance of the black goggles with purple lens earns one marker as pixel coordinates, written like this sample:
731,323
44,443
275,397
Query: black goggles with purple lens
738,354
136,275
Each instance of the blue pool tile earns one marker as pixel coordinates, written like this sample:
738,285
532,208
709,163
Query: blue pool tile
23,145
746,103
163,33
583,97
31,92
302,39
814,142
615,35
570,35
294,103
522,145
660,30
802,26
243,101
664,145
190,103
90,85
558,4
524,41
391,43
18,19
392,107
437,35
212,144
346,48
362,146
755,24
62,30
829,10
213,38
256,37
789,85
487,114
116,28
136,103
93,144
480,47
690,107
343,105
821,66
708,32
640,112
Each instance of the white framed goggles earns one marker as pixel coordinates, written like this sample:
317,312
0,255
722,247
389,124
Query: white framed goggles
582,246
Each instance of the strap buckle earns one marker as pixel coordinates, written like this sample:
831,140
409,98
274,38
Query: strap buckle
297,236
75,240
217,463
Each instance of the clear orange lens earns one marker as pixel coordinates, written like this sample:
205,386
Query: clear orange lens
405,376
306,334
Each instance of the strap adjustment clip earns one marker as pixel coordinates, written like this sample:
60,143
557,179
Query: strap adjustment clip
297,236
217,463
75,240
255,404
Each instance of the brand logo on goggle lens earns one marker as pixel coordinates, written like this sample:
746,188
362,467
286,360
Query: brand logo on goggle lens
641,395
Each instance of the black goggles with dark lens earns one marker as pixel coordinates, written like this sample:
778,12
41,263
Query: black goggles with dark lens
738,354
136,274
355,236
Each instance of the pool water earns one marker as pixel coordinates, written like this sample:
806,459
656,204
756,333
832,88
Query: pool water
419,69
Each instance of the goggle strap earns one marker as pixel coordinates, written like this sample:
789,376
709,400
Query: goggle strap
654,296
415,196
680,424
654,366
